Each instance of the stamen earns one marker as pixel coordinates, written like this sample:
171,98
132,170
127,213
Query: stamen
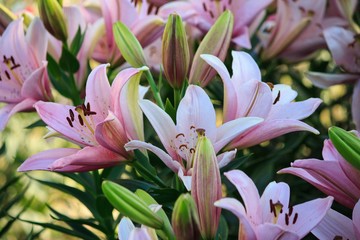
192,127
200,131
7,75
183,146
180,134
276,209
69,121
271,86
192,150
295,218
81,121
286,219
71,115
204,6
290,210
277,98
211,14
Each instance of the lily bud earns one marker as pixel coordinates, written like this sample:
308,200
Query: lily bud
216,42
347,144
128,45
185,220
6,16
52,15
130,205
206,185
175,51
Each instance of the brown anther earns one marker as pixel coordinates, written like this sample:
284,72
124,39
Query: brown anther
295,218
180,134
204,6
192,150
7,74
71,113
183,146
69,121
286,219
211,14
290,210
192,127
271,86
277,98
81,121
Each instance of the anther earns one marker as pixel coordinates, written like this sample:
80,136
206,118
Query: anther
180,134
7,75
277,98
71,113
295,218
192,150
81,121
290,210
69,121
286,219
183,146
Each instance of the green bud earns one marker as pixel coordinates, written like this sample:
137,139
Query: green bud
216,42
128,45
166,232
347,144
130,205
175,51
52,15
206,185
185,218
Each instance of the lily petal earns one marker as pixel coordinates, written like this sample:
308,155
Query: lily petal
167,160
325,80
230,130
230,103
270,129
162,124
245,229
248,193
43,160
90,157
356,219
274,193
244,68
294,110
196,109
272,231
334,224
309,215
56,116
7,111
226,157
125,228
97,92
36,37
111,135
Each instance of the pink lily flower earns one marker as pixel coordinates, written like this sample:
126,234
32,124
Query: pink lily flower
337,226
344,47
203,14
334,175
23,75
270,216
245,95
75,20
195,111
295,32
108,118
147,27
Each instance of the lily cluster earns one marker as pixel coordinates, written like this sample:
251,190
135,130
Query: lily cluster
160,126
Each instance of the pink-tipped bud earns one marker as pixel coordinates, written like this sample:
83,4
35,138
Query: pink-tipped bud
175,51
216,42
206,185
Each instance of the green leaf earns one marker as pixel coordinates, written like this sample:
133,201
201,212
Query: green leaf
58,79
77,42
169,109
133,184
223,229
38,123
68,61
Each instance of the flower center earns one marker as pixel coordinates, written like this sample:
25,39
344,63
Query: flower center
83,111
216,7
11,66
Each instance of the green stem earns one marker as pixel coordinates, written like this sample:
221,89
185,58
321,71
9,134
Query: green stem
148,174
177,97
154,89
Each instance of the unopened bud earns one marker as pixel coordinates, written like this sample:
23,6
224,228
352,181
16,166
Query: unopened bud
52,15
175,51
216,42
206,186
128,45
347,144
130,205
185,220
